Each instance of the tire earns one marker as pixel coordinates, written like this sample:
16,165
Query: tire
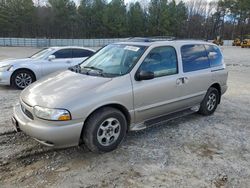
27,76
104,130
210,102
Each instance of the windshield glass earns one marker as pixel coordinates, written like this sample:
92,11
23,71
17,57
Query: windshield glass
41,54
113,60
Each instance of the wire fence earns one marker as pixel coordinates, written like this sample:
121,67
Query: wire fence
44,42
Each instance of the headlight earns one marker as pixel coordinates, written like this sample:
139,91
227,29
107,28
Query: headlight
52,114
6,68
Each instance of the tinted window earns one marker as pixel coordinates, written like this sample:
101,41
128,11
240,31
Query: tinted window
214,55
62,54
161,61
194,57
78,53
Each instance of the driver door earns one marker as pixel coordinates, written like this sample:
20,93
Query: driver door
62,61
163,94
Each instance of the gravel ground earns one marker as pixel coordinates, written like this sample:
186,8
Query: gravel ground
193,151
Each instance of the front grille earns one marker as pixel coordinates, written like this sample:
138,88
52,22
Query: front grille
27,112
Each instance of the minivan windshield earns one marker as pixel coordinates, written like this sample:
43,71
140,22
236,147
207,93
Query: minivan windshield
41,54
113,60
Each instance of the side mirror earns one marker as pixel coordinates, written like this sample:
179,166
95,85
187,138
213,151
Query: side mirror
76,68
51,57
144,75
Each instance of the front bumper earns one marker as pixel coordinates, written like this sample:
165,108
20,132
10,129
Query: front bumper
50,133
5,78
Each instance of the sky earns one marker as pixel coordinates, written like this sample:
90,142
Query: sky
43,2
126,1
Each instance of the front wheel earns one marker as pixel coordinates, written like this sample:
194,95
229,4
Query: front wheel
210,102
104,130
22,78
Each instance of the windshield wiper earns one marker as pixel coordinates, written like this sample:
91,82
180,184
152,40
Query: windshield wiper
93,68
98,71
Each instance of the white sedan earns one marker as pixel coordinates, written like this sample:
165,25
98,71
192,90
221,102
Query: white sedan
22,72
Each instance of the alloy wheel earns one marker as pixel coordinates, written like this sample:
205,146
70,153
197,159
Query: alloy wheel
108,131
22,80
211,103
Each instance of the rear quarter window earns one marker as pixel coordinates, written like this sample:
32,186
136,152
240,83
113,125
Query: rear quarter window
214,55
78,53
194,57
63,54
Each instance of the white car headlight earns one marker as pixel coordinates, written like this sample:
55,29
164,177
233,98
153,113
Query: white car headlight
52,114
6,68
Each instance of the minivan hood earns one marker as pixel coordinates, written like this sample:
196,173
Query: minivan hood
58,89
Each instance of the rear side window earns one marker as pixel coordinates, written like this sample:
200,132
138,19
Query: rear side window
63,54
78,53
214,55
194,57
162,61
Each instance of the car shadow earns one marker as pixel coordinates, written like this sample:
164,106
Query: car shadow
8,88
170,124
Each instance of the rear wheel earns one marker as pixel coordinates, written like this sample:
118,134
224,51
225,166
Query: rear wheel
210,102
104,130
22,78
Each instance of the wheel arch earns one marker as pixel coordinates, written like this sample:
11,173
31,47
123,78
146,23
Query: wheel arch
117,106
19,69
218,87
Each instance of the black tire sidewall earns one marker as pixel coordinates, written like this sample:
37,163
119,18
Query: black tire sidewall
203,109
93,125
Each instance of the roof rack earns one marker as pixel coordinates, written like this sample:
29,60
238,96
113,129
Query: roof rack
160,38
151,39
191,39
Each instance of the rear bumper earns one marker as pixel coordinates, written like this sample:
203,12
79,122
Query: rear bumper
48,132
5,78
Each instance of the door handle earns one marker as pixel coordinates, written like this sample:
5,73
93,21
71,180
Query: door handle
68,61
179,81
185,80
182,80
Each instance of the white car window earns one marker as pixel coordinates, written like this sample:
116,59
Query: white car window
63,54
41,54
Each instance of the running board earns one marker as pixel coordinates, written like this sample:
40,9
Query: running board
164,118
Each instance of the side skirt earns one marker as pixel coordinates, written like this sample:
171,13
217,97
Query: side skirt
164,118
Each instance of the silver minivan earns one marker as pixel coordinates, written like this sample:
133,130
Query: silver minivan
126,86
